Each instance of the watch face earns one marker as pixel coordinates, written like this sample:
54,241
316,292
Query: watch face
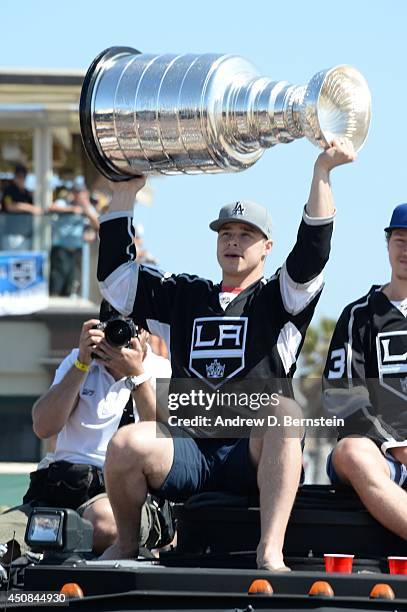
130,383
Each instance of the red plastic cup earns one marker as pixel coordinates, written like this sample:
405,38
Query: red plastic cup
338,563
397,565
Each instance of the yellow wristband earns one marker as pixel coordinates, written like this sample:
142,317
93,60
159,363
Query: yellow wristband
81,366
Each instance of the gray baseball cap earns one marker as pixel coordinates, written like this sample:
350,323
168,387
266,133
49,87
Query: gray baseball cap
244,212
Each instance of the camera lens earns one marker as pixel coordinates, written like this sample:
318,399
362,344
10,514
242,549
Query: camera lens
118,332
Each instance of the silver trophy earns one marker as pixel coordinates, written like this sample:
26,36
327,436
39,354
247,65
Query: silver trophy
172,114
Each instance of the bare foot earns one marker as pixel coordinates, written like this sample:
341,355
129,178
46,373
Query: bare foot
115,552
271,568
271,560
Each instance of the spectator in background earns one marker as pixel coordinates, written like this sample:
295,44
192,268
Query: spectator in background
77,221
18,230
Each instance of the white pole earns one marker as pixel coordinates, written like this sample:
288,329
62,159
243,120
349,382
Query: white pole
43,167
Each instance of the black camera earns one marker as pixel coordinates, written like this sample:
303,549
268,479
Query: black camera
119,331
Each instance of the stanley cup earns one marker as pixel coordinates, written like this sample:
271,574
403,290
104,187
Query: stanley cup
172,114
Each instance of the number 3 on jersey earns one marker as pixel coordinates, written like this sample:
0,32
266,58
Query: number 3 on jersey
338,363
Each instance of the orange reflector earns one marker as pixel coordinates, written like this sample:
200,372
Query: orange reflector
72,590
260,587
382,591
321,588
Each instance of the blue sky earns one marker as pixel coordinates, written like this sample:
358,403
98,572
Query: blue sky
286,41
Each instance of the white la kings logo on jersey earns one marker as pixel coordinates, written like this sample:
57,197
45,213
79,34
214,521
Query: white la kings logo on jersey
391,350
218,348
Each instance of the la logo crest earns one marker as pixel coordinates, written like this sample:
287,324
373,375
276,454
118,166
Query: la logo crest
391,350
218,348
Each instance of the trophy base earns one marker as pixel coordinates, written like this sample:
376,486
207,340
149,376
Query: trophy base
85,115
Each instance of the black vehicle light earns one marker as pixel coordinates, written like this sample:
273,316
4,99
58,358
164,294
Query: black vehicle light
58,529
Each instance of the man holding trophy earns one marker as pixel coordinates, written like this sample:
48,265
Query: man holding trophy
214,113
280,308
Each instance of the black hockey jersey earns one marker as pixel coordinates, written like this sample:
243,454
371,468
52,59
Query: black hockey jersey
258,335
365,377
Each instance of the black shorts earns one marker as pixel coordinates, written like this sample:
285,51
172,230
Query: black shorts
201,465
398,471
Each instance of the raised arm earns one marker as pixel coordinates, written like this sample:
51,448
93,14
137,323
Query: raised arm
124,194
132,289
320,202
117,251
301,277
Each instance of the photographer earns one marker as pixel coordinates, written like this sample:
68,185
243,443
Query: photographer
97,388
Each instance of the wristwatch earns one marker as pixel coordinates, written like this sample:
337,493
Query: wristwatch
132,382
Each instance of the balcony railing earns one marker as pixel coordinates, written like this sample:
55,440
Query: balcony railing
25,232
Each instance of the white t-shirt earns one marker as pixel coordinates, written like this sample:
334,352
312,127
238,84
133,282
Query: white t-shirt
91,425
227,294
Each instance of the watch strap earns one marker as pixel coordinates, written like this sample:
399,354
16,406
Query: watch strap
132,382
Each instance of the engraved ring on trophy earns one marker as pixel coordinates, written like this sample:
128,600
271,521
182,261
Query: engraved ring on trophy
172,114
